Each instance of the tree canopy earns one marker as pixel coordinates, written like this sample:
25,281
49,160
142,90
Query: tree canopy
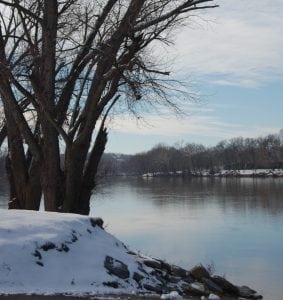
63,66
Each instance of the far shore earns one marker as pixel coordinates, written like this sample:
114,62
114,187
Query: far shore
93,297
253,173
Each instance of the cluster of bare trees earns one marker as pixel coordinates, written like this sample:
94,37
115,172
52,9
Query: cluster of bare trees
64,65
235,154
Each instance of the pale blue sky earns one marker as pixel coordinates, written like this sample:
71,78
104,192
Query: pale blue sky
234,60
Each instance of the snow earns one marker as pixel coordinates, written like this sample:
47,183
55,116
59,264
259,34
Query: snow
213,297
73,261
243,173
171,296
253,172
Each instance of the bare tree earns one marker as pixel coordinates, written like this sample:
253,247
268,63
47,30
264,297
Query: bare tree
63,66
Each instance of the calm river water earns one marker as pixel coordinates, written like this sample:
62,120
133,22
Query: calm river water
234,224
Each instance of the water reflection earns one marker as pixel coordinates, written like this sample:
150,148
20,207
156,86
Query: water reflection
241,194
234,222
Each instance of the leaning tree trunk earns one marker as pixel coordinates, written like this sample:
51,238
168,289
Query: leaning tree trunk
16,162
88,183
23,175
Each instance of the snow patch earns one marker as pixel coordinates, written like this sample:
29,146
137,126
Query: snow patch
47,253
171,296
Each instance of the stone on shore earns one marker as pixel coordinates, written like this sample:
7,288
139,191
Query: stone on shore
199,272
227,286
116,267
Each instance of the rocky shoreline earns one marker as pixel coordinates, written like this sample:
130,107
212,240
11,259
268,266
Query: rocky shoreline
168,279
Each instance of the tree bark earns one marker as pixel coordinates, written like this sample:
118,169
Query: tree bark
51,175
91,170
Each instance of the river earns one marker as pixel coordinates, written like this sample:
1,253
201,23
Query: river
234,225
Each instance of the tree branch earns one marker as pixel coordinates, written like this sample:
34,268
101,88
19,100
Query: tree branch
183,8
22,9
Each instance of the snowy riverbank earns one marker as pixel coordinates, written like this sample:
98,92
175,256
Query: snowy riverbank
51,253
222,173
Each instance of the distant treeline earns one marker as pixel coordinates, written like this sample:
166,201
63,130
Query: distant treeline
235,154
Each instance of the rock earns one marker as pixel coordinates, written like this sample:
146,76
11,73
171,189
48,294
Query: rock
198,272
248,293
140,268
188,279
171,288
116,267
37,254
64,247
195,289
74,238
138,277
213,297
165,266
96,222
173,279
184,285
113,284
153,288
199,286
257,296
152,263
160,276
178,272
211,285
227,286
48,246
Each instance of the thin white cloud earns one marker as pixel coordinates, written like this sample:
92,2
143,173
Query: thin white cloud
240,44
196,125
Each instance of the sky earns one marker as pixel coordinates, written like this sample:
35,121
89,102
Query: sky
232,58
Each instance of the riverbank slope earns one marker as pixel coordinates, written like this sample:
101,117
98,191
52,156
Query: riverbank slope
50,253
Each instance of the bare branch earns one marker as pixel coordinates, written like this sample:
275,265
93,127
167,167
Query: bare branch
20,8
187,6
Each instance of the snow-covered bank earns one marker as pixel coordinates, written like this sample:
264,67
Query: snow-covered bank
48,253
222,173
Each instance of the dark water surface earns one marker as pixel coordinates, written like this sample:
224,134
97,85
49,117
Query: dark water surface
234,224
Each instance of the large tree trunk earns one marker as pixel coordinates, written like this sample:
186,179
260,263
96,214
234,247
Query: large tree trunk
74,166
51,175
